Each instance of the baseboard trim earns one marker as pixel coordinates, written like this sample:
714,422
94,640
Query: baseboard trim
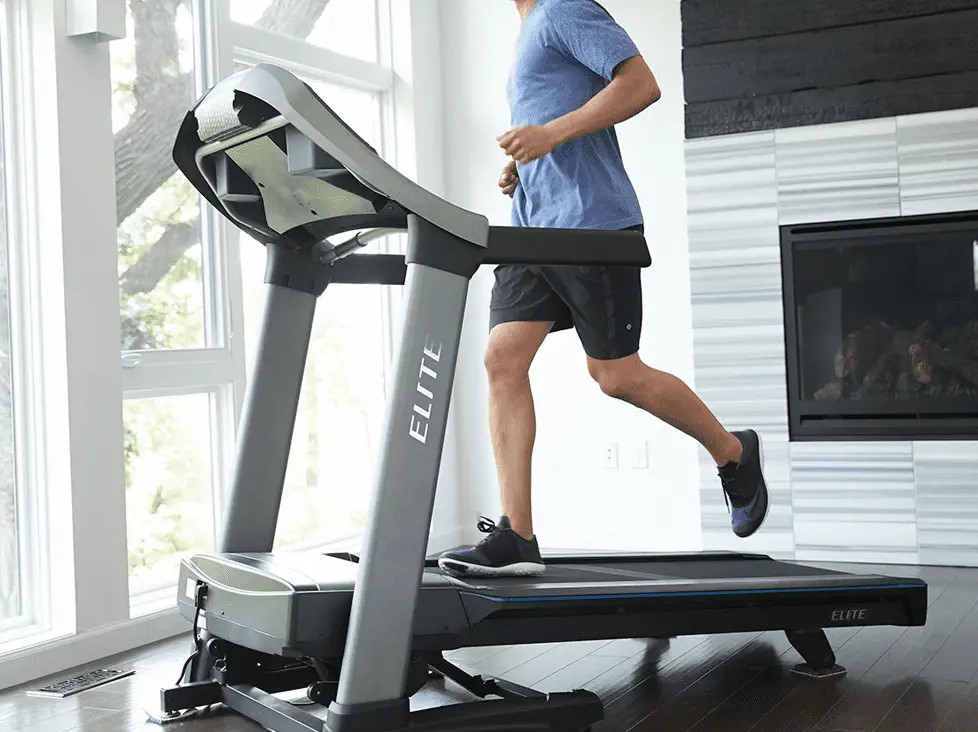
57,656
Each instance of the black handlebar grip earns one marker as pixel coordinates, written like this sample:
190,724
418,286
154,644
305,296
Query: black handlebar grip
573,247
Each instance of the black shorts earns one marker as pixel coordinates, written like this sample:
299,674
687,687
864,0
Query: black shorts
604,304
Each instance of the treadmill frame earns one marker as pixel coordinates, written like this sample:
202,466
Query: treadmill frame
379,669
379,639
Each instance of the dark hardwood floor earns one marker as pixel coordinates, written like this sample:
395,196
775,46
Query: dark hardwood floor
899,680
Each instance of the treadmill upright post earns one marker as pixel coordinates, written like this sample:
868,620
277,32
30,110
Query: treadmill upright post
271,402
371,692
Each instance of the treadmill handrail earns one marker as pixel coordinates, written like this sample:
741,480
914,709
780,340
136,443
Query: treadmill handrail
571,247
369,269
513,245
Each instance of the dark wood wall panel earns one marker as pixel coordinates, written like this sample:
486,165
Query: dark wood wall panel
719,21
838,57
826,106
759,64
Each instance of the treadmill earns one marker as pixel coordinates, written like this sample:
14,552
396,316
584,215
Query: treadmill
357,635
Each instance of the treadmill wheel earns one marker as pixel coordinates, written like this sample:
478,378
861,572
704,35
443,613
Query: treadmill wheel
322,692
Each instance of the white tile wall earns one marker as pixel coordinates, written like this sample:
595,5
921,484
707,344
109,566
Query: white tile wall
855,501
947,502
739,330
838,172
938,160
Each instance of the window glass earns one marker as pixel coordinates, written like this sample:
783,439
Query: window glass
10,576
169,500
345,26
359,109
341,404
157,209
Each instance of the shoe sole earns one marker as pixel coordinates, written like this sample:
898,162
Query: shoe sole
767,496
464,569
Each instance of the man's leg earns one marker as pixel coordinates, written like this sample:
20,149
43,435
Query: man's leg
524,310
738,455
512,419
606,304
668,398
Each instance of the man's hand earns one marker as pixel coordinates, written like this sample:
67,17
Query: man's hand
528,143
509,179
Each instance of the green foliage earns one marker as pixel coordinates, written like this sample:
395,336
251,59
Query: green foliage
168,476
171,313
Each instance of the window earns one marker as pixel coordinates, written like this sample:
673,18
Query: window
189,296
191,291
179,375
169,511
157,210
24,580
341,404
359,109
10,575
348,27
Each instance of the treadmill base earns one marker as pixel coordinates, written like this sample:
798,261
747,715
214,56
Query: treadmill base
814,647
246,682
574,711
810,672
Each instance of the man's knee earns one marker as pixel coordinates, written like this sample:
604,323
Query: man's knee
512,348
506,362
618,379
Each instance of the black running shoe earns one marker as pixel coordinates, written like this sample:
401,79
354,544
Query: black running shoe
503,553
744,487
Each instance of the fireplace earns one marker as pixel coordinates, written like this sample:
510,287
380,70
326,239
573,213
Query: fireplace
881,328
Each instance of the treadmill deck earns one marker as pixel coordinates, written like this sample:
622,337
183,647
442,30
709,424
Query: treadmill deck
643,577
299,603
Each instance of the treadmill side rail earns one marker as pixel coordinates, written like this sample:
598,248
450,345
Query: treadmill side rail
501,625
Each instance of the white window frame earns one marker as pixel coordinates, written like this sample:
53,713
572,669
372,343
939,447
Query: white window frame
20,190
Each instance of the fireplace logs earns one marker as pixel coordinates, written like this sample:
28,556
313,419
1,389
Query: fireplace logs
882,361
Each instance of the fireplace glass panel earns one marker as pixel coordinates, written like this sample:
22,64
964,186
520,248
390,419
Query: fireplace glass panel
885,321
888,321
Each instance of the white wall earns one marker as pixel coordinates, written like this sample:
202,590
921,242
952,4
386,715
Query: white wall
577,502
420,155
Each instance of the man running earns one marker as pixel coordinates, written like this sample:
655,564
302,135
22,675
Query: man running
577,74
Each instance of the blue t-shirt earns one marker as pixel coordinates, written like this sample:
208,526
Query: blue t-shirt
566,54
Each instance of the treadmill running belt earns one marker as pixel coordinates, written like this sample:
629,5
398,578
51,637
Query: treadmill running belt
634,579
611,571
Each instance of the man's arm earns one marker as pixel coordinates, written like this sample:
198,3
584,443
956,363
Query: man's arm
632,90
586,32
